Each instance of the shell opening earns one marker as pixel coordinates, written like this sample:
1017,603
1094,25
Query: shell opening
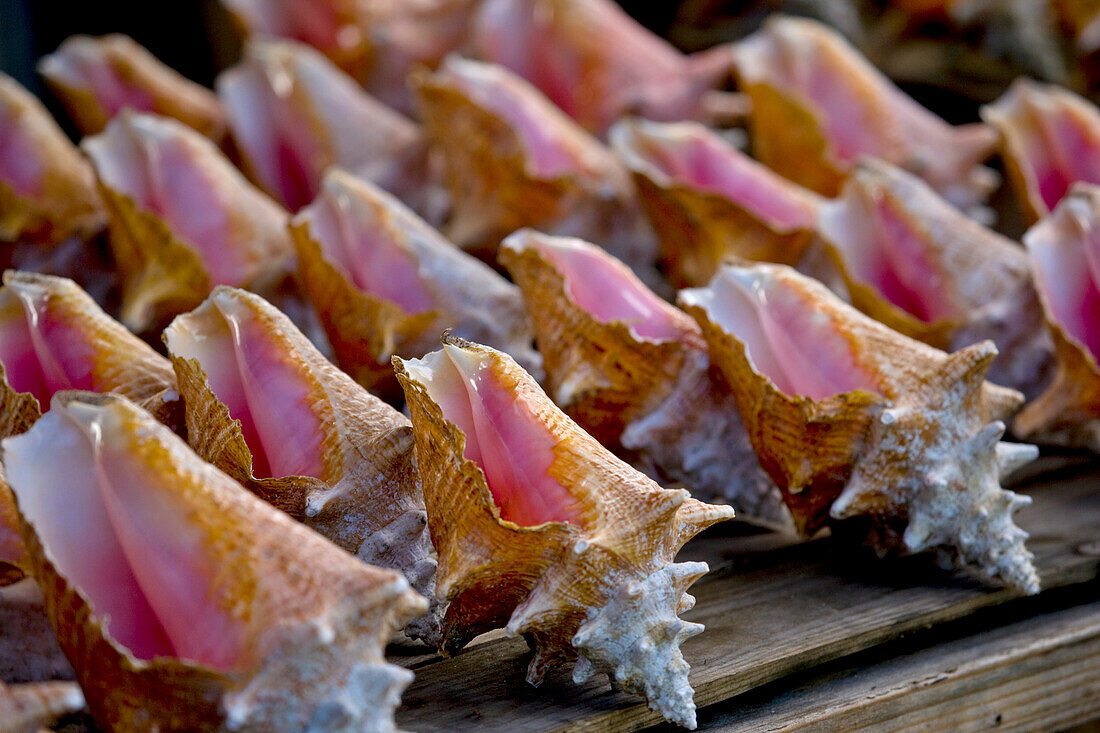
249,373
1065,249
357,235
788,339
95,66
140,566
691,155
604,287
21,167
504,434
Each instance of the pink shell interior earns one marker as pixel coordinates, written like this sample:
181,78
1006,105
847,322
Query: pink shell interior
359,239
1065,250
692,156
171,171
41,354
105,517
505,436
309,21
604,287
789,338
255,376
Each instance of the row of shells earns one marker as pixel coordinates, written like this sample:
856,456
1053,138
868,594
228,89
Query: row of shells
804,337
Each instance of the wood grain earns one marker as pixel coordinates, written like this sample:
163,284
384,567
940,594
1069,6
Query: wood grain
1040,673
771,609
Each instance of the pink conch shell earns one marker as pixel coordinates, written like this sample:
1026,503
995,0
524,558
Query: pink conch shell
852,419
185,603
1065,251
634,372
47,189
294,115
707,200
914,262
385,283
818,106
96,78
512,159
29,707
541,529
598,64
267,408
54,337
377,42
1050,138
183,219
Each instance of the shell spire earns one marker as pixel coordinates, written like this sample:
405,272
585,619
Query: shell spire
183,219
319,447
294,115
96,78
47,189
293,627
386,283
1065,253
540,529
818,106
512,160
634,371
852,419
598,64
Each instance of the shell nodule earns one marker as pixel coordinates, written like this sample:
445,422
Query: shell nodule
853,419
540,529
293,628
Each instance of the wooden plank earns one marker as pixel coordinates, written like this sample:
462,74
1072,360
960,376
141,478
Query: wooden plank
1039,673
768,614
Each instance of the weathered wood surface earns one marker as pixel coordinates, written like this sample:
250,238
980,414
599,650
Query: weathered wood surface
1039,673
770,612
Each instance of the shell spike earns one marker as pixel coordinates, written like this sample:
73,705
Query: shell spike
636,636
1011,456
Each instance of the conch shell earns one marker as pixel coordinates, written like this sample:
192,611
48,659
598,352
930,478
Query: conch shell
598,64
512,160
29,707
634,371
818,106
377,43
914,262
267,408
1050,138
54,337
1065,251
384,283
96,78
708,201
540,528
852,419
294,114
47,189
1082,19
183,219
185,603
